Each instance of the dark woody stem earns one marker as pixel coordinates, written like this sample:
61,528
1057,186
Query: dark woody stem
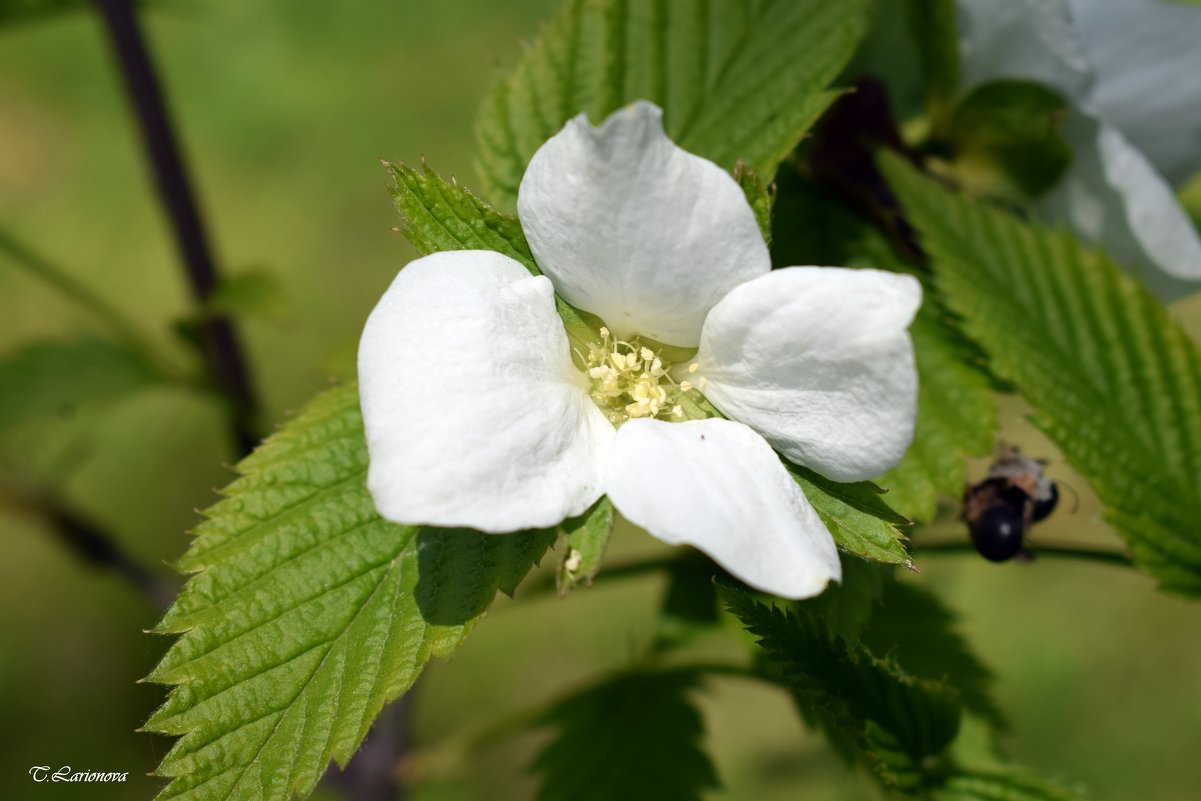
221,347
89,542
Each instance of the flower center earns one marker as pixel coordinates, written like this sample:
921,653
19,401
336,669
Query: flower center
629,380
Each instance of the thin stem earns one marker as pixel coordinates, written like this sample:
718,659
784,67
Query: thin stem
62,282
91,544
1052,550
222,348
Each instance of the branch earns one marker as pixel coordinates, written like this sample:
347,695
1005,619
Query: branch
1052,550
222,348
92,545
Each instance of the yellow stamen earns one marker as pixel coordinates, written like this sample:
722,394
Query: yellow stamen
630,380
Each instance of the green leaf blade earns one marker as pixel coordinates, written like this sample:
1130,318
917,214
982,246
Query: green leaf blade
1007,140
898,725
307,613
585,539
917,630
932,26
726,75
861,522
1004,786
1114,381
599,754
438,215
49,378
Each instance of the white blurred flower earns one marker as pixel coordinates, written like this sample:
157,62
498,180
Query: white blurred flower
478,415
1131,69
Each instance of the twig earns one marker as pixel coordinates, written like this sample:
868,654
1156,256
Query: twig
222,349
90,543
1052,550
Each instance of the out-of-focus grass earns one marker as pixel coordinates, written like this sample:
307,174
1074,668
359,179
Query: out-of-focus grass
285,107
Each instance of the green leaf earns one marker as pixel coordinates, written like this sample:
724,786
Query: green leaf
1190,197
1004,786
635,737
12,11
256,292
307,613
848,607
58,378
585,538
933,30
437,215
738,81
1113,380
898,725
860,521
1006,138
812,225
689,605
917,631
759,197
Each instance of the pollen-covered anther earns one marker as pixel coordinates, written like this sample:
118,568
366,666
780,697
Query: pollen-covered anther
630,380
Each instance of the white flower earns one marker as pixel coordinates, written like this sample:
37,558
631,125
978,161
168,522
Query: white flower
1131,69
478,415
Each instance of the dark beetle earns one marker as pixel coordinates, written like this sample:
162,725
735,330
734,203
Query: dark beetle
1000,509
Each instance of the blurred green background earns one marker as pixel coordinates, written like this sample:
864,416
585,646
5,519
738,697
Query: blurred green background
285,109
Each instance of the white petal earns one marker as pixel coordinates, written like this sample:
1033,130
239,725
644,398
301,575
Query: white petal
716,484
635,230
1147,56
1113,198
818,361
1032,40
474,413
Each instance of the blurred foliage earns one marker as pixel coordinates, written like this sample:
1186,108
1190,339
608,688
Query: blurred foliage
12,11
933,29
636,736
896,724
56,378
1006,140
